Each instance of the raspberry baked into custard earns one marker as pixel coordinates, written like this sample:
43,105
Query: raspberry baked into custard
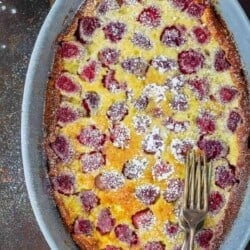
135,85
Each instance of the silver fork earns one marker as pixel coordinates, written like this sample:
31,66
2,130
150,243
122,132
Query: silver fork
195,196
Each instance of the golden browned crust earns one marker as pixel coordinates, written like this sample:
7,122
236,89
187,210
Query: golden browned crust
219,29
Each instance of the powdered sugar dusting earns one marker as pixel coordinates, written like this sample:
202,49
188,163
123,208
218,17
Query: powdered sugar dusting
162,170
153,142
163,64
154,91
141,123
179,148
133,169
175,126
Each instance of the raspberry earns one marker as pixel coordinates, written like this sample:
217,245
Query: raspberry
120,136
89,72
117,111
83,226
150,17
105,222
163,64
162,170
171,229
203,238
111,84
66,84
148,194
206,123
92,161
62,148
225,176
202,34
173,35
64,183
190,61
125,234
174,190
220,62
154,245
111,180
108,56
65,114
142,41
114,31
136,65
143,219
91,102
200,87
92,137
89,200
195,10
87,27
233,121
215,202
227,94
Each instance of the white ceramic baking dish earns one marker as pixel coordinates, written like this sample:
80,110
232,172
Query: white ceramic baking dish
34,160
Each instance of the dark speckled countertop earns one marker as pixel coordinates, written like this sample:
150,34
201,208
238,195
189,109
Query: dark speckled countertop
20,21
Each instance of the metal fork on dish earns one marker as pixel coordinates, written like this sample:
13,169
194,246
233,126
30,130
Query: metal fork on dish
195,196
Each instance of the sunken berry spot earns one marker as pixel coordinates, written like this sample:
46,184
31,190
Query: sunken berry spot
136,65
117,111
221,63
150,17
125,234
143,219
225,176
227,94
190,61
154,245
87,27
174,190
202,34
89,72
92,137
204,237
148,194
89,200
91,102
215,202
111,180
206,123
173,35
114,31
233,120
141,103
92,161
134,168
105,221
64,183
108,56
62,148
83,226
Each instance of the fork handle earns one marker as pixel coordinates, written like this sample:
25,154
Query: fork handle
186,242
191,238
